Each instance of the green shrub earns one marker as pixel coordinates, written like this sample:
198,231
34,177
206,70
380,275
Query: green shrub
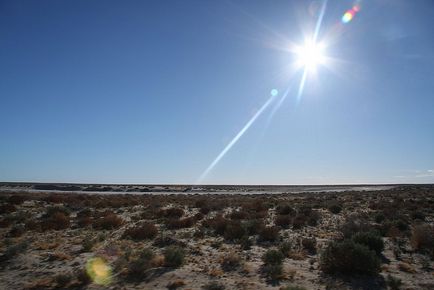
173,256
347,257
87,244
285,248
234,231
273,271
273,257
138,266
370,239
253,226
335,208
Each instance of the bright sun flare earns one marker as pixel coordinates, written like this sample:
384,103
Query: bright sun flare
310,55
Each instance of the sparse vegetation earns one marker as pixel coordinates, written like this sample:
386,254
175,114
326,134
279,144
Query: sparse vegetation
174,256
144,236
143,231
348,257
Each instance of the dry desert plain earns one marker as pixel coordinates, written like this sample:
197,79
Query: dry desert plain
216,238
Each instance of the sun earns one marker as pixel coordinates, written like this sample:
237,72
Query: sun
310,55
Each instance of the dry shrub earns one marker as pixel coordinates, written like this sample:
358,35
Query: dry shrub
283,221
140,264
174,223
175,284
269,234
5,222
43,283
234,231
405,267
55,221
309,244
84,218
172,212
253,226
238,215
422,238
7,208
108,222
230,261
218,224
16,199
143,231
285,209
54,198
58,256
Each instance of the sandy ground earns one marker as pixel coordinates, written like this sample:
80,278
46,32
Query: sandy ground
42,249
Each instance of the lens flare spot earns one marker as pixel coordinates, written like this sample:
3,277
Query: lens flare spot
347,17
274,92
99,271
350,14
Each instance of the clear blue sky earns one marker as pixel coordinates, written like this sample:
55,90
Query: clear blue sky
152,91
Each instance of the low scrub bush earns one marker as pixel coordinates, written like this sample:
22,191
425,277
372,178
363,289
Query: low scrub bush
393,283
292,288
285,209
370,239
422,239
7,208
234,231
172,212
309,244
238,215
335,208
109,221
173,257
218,224
253,226
354,225
143,231
272,267
269,234
55,220
213,286
285,248
230,262
138,266
349,258
14,250
174,223
283,221
273,257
